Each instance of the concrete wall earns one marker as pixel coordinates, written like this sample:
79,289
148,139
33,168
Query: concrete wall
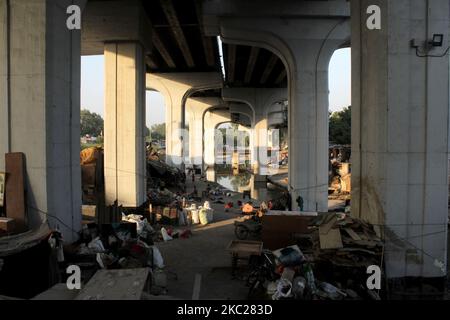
400,109
4,123
44,109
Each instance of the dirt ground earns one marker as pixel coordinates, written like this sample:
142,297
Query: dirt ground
200,267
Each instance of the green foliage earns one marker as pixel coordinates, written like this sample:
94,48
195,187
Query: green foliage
158,131
90,123
340,126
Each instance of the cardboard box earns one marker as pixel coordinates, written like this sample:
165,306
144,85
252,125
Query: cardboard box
279,227
89,211
7,225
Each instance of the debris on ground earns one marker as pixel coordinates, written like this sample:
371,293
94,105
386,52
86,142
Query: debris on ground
324,257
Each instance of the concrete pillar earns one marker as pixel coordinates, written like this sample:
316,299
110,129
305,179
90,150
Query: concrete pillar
400,109
125,124
308,125
260,100
305,55
211,120
122,32
176,89
40,108
196,108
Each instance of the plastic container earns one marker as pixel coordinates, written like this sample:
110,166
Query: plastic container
195,217
210,214
203,215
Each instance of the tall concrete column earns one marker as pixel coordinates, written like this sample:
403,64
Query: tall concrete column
40,108
124,50
196,108
211,120
308,125
400,110
305,54
176,89
125,124
260,100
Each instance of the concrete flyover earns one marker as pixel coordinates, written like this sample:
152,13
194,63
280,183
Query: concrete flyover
271,53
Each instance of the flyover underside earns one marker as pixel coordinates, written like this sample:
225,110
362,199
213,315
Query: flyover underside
400,102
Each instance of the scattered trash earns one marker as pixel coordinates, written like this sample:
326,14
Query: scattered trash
165,235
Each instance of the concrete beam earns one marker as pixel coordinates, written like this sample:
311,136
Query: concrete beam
268,69
251,64
214,10
176,89
231,62
114,21
207,41
281,76
177,32
159,45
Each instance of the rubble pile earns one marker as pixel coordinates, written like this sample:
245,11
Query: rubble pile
328,263
158,173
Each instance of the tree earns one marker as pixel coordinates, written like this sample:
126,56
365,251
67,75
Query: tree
340,126
90,123
158,131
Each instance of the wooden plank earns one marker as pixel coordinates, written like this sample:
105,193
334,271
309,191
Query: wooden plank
330,240
15,190
245,246
352,234
121,284
6,225
329,223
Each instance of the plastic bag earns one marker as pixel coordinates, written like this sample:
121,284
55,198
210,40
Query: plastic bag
284,289
298,287
96,245
158,260
165,235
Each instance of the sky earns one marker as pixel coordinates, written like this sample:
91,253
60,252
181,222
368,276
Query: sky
92,86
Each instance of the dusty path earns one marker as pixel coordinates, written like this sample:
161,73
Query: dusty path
201,263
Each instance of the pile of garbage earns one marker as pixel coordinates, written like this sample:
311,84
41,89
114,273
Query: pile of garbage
162,197
345,241
121,245
330,263
184,215
161,174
